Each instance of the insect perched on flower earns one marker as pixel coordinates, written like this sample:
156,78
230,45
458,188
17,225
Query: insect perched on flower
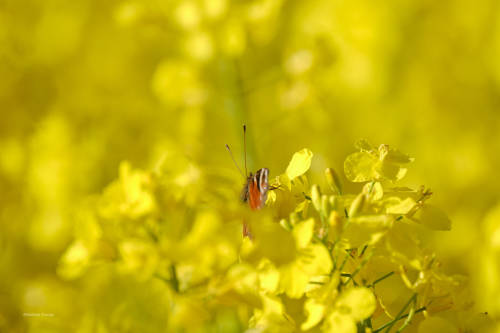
256,186
255,190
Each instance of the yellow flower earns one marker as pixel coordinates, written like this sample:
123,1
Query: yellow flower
312,260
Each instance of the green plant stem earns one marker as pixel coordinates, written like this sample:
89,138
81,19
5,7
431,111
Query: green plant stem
381,279
363,251
174,281
344,262
393,322
408,319
397,319
356,271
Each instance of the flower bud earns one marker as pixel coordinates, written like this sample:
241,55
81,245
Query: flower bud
325,205
334,202
357,204
316,197
333,180
335,226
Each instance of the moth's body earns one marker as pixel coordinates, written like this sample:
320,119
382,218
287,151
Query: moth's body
255,189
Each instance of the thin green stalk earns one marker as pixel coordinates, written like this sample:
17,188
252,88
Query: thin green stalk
402,317
368,323
363,251
174,281
393,322
344,262
408,319
360,266
381,279
316,282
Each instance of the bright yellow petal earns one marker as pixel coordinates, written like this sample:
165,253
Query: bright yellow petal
338,322
300,163
315,260
367,229
269,276
303,232
314,312
395,205
293,281
374,190
432,217
271,198
358,302
361,167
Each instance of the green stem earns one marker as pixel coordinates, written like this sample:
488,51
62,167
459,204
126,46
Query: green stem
381,279
402,317
174,281
408,319
363,251
360,266
368,323
392,323
344,262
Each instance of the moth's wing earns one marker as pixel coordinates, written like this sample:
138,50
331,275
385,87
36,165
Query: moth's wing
255,198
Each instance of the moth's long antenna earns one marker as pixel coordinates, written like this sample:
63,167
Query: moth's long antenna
236,164
245,147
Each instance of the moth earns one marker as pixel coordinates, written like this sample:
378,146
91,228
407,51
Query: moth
255,189
256,186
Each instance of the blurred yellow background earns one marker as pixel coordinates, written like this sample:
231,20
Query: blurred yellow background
86,84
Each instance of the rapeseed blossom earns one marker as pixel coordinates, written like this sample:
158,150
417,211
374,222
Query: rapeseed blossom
315,262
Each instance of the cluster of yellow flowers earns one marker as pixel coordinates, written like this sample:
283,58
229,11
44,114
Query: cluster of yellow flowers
318,261
163,84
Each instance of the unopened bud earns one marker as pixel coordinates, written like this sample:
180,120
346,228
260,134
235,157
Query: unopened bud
357,205
316,197
325,205
334,201
333,181
335,224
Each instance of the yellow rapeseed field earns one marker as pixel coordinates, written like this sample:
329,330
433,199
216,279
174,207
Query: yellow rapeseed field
121,209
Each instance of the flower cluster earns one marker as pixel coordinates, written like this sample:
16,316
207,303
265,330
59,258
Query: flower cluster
320,259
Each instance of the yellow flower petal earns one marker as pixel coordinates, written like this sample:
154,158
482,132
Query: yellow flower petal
367,229
303,232
339,323
357,302
314,311
361,167
432,217
315,260
269,276
271,198
293,281
395,205
300,163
